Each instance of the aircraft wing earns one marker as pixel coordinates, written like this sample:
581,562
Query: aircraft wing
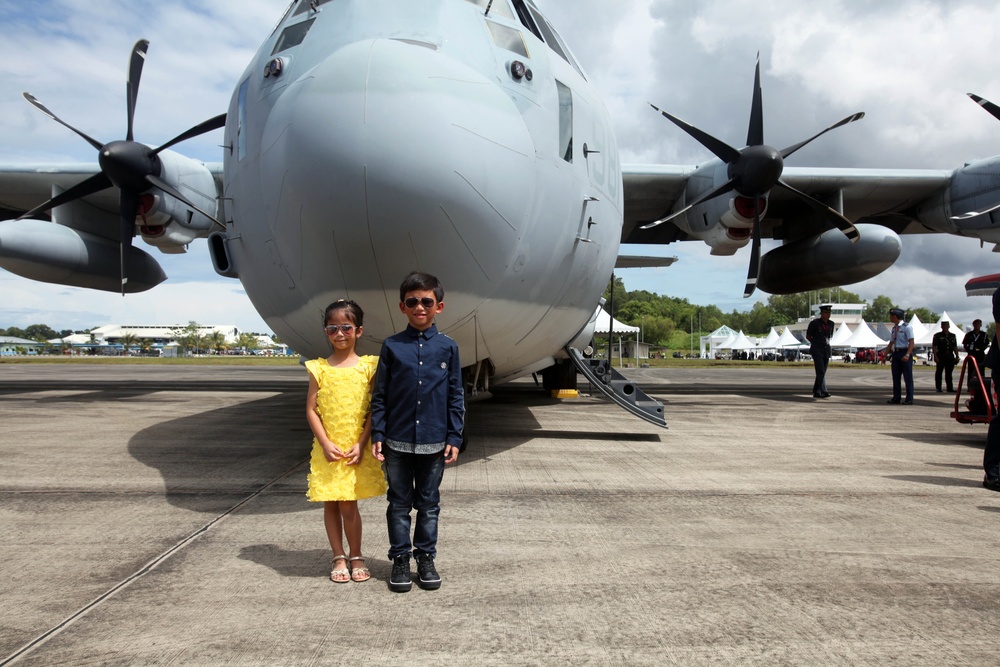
24,186
887,197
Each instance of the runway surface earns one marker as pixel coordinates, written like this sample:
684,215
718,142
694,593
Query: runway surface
156,515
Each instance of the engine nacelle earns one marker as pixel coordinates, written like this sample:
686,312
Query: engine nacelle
973,187
53,253
168,223
725,223
828,260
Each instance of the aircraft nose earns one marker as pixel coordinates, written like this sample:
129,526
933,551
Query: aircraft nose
410,157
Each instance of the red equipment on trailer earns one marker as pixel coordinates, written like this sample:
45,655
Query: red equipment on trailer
982,402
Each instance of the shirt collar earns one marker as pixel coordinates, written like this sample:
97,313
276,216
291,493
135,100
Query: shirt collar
426,333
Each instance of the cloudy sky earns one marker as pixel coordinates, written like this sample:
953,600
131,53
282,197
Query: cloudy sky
907,64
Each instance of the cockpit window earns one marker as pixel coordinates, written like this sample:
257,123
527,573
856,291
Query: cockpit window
292,36
495,8
525,17
565,121
507,38
308,4
553,40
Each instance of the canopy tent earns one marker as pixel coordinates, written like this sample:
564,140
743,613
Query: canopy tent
787,340
769,342
604,322
842,333
728,343
919,330
863,336
928,338
742,343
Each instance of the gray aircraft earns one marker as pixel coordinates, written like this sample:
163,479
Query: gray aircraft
368,138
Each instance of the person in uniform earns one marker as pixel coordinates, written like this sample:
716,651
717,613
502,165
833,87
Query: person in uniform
975,343
818,334
945,348
900,352
991,455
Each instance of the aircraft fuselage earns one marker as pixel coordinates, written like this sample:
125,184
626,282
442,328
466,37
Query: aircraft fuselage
369,138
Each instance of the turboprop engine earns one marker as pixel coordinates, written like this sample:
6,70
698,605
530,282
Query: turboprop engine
829,259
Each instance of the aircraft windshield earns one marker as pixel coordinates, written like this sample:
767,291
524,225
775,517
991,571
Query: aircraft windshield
507,38
292,36
496,7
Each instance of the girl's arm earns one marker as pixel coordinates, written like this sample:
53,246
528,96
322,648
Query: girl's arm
330,450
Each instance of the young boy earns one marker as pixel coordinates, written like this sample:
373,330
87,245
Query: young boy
418,411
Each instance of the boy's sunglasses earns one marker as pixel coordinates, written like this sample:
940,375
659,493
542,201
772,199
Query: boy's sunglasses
331,329
426,302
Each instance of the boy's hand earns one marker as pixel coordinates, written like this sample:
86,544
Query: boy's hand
353,455
450,454
377,451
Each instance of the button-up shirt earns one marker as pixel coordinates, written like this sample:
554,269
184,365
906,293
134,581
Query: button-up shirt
418,404
902,333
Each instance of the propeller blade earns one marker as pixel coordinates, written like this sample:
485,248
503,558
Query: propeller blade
973,214
754,252
128,209
136,61
33,101
201,128
176,194
990,108
850,119
728,186
835,218
720,149
755,133
95,183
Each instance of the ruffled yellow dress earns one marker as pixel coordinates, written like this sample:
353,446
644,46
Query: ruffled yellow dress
342,403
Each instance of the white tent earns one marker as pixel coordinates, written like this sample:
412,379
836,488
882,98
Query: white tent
604,324
863,336
787,340
728,343
742,343
919,330
928,338
842,333
769,342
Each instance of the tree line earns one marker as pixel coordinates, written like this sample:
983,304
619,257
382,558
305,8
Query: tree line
670,321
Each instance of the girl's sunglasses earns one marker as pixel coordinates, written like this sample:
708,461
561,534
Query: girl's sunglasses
331,329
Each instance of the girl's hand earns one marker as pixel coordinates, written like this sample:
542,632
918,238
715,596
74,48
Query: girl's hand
331,452
353,455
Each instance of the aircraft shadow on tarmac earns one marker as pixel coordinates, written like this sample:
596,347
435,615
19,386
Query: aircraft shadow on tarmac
221,456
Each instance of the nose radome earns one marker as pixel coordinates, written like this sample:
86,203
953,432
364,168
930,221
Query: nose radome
427,151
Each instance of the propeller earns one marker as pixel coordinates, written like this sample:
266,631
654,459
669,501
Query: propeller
127,164
754,171
994,111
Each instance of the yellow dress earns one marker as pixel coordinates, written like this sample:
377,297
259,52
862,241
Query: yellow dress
342,403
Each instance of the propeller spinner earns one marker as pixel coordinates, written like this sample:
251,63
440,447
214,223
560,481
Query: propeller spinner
127,164
754,171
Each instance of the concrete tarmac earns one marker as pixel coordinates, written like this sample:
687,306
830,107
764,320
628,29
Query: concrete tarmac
156,515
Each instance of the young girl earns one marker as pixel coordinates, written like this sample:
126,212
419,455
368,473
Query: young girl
341,472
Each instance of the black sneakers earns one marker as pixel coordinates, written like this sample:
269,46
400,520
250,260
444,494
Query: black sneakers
399,580
427,576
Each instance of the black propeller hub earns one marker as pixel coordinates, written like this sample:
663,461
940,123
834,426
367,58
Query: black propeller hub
756,170
127,163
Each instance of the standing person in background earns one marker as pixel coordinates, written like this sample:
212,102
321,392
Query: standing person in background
900,352
991,455
818,334
945,348
975,344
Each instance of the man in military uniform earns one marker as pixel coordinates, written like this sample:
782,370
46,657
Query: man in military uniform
899,351
818,334
945,348
975,343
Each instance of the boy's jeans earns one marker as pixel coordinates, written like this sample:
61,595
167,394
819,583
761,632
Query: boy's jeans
414,481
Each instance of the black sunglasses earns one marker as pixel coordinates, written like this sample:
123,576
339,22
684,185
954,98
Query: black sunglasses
331,329
426,302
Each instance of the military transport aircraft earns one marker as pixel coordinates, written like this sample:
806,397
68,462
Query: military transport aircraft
371,137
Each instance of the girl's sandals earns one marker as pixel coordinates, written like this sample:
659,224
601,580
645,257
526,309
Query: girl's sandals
359,574
340,575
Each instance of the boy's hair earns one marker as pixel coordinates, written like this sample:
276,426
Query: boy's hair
420,281
354,312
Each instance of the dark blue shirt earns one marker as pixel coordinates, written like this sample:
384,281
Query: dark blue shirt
418,404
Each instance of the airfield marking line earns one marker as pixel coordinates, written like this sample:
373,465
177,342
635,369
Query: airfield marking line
141,572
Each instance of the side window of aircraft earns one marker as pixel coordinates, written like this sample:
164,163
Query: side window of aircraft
496,7
241,135
507,38
308,4
565,122
292,36
552,39
525,16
